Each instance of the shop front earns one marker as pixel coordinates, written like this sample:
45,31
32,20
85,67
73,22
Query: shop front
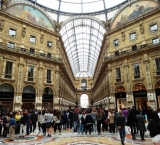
140,96
6,98
28,98
47,99
157,91
120,97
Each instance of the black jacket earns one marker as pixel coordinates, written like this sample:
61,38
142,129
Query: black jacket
154,127
34,117
24,119
120,120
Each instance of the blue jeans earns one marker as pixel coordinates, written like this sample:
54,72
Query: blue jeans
122,133
81,128
95,126
75,123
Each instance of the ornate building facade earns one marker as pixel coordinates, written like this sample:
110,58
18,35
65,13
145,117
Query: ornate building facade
35,71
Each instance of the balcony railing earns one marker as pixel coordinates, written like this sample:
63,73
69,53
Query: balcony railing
8,76
144,46
137,77
27,52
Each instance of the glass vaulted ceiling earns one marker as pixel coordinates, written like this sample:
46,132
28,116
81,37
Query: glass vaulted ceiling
82,40
83,36
79,6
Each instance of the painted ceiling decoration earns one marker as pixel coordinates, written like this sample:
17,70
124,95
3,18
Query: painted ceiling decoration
133,11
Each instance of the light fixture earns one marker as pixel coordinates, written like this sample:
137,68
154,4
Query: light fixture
19,97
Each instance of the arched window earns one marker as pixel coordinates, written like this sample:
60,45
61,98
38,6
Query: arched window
29,89
84,101
84,84
6,88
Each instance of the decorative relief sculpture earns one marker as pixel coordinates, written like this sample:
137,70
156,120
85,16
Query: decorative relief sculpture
107,24
57,26
1,25
5,3
42,38
123,35
23,31
141,28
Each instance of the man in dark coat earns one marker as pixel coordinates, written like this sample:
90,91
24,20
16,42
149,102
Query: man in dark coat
120,123
34,119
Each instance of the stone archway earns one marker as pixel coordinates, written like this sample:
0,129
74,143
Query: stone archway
28,97
120,97
6,97
84,101
140,96
47,98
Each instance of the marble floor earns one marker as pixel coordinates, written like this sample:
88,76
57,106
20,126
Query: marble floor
67,137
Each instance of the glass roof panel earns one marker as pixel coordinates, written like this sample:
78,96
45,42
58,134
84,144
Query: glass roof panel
83,42
79,6
82,36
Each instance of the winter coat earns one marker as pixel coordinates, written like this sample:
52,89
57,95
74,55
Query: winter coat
140,122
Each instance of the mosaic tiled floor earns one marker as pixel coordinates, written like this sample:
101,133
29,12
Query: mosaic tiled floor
69,138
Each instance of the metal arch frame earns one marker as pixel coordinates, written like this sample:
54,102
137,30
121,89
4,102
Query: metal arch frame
58,12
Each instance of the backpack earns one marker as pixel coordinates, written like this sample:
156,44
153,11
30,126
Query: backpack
82,120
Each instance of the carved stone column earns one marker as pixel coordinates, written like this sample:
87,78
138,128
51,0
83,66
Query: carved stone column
40,88
129,96
57,90
111,92
18,97
150,92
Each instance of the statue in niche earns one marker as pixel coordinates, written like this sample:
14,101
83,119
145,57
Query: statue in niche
141,29
5,4
1,25
107,24
42,38
57,26
123,35
23,31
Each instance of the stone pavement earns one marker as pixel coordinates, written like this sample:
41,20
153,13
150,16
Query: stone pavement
67,137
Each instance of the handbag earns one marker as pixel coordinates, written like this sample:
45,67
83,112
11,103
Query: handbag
106,121
14,126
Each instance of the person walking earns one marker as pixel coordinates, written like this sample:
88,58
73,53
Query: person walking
49,119
57,120
141,124
131,122
12,126
120,123
17,119
43,122
93,114
23,124
99,118
111,122
88,122
154,124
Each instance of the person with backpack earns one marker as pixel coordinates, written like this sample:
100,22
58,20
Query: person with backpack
12,126
141,124
81,117
5,124
154,124
75,121
71,117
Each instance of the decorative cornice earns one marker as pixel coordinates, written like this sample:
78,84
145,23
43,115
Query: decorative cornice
9,57
138,80
31,62
49,65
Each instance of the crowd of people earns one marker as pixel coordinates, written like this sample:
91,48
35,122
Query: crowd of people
82,121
